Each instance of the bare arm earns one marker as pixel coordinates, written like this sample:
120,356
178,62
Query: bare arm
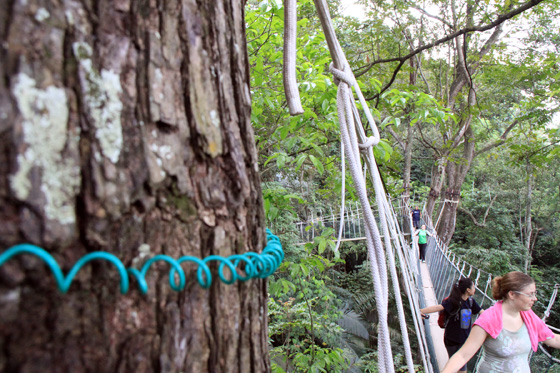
473,343
431,309
554,342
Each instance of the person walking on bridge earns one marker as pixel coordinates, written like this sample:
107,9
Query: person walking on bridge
508,330
416,217
422,234
459,308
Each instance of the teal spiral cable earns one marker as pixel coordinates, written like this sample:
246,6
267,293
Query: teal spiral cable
254,266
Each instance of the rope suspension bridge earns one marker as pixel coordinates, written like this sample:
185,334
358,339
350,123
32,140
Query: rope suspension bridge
432,281
385,232
389,244
351,222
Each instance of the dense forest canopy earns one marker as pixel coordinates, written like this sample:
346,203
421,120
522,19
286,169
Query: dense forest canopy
466,95
139,128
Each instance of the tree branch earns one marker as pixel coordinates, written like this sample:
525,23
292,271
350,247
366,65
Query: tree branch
418,61
427,144
269,29
397,138
498,21
432,16
483,224
460,133
499,142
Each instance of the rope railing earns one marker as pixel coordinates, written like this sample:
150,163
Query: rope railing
356,144
349,226
446,268
413,282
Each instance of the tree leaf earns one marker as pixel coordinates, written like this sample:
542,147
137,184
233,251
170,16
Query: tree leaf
317,163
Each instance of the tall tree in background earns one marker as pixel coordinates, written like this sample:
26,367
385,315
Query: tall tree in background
126,128
455,143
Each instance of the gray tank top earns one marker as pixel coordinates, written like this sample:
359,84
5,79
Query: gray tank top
508,353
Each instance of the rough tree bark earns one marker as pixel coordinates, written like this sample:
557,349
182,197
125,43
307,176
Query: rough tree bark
456,173
463,140
125,127
407,145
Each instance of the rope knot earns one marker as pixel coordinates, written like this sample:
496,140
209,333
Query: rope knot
371,141
345,75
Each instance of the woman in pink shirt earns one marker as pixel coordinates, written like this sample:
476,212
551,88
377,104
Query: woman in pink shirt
508,330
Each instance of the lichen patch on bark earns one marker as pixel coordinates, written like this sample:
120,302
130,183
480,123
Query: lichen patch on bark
45,118
101,92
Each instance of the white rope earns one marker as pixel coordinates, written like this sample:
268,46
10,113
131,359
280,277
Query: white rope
289,68
371,141
342,198
375,248
373,239
351,130
410,270
551,302
353,141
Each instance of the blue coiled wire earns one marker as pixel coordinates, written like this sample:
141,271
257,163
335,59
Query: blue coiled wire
255,266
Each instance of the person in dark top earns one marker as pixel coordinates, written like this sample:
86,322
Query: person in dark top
460,308
416,217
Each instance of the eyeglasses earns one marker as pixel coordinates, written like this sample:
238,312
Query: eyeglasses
532,295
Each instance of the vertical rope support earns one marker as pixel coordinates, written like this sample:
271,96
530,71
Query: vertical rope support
373,241
353,138
486,290
488,284
477,277
348,126
444,277
383,204
440,271
343,199
408,276
551,302
450,281
289,68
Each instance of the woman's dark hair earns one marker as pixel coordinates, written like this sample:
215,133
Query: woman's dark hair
458,290
512,281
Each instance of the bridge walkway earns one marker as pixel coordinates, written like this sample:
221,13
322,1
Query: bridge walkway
435,331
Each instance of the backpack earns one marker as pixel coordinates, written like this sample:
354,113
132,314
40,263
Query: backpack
443,317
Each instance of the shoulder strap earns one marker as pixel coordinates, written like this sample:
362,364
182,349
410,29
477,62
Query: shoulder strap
456,312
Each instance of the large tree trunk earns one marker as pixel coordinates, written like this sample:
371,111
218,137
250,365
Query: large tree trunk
452,141
436,184
407,146
456,173
126,128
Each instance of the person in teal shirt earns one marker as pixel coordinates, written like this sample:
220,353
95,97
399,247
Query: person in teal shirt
422,234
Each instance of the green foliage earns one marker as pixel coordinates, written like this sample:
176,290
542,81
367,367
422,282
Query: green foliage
277,201
303,316
413,106
318,302
291,144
